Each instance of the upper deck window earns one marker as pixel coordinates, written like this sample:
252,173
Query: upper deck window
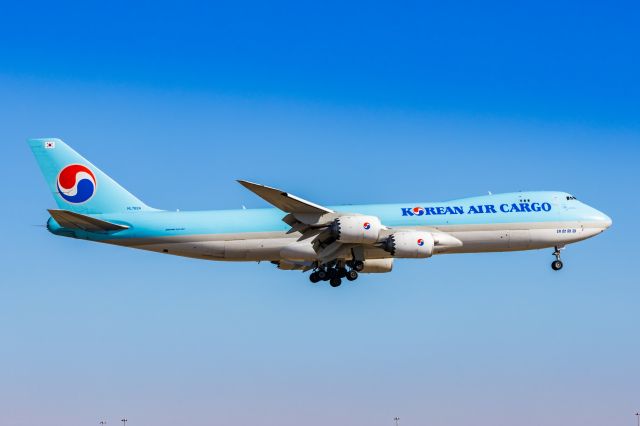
571,197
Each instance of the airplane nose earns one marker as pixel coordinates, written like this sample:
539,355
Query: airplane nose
603,220
599,219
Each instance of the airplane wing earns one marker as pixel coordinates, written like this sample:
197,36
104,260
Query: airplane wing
283,200
309,219
323,226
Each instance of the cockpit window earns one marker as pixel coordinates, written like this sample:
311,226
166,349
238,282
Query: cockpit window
571,197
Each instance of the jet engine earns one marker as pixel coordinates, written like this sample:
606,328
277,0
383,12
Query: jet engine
410,244
356,229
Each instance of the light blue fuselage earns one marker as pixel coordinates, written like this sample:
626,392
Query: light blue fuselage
500,222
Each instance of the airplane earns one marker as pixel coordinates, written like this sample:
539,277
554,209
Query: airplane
330,242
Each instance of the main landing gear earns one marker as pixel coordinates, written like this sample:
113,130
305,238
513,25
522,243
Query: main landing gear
556,265
358,265
335,273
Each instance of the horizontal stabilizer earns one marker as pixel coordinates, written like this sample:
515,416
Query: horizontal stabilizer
284,201
72,220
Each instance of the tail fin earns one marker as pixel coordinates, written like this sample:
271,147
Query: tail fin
77,185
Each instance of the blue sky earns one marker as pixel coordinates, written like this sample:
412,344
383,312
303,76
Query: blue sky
338,104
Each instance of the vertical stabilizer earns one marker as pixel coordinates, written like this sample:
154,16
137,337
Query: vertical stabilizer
77,185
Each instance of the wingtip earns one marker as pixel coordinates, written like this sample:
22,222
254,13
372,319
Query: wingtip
247,183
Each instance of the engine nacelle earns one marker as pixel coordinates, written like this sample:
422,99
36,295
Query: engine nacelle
410,244
356,229
377,266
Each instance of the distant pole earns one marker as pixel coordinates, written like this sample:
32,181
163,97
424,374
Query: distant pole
397,420
638,418
103,422
124,422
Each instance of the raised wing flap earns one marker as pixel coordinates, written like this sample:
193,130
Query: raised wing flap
284,201
72,220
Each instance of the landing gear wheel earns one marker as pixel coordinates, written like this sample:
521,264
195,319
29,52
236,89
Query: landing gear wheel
335,282
352,275
358,265
314,278
322,275
342,272
556,265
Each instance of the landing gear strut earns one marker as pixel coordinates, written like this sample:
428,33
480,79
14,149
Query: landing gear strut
556,265
336,273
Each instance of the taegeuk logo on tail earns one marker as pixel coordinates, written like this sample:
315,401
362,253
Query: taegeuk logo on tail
76,183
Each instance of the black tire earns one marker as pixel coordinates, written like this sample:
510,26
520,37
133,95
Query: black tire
335,282
352,275
358,265
322,275
342,272
314,278
332,272
556,265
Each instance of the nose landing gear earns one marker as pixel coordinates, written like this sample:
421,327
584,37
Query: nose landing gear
557,264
